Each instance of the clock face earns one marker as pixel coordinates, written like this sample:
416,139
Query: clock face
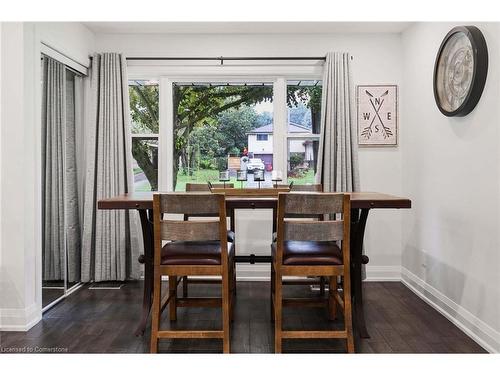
460,71
455,72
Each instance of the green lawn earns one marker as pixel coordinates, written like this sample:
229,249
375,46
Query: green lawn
199,177
308,178
204,175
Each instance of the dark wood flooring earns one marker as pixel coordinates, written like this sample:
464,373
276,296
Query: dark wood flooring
104,321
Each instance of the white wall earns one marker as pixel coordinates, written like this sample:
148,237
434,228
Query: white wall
260,147
20,273
377,60
451,172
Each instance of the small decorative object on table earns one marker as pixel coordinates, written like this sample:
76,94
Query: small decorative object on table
224,177
258,175
276,177
241,175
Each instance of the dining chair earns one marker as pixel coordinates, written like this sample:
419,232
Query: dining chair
309,281
310,248
192,187
196,248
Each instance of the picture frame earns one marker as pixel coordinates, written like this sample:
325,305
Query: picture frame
377,115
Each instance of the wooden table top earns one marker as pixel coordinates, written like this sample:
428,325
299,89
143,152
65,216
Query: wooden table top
144,200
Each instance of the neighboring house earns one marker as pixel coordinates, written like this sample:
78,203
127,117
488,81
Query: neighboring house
260,142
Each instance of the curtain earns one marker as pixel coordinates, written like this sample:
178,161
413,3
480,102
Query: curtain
338,149
53,119
72,214
61,224
110,237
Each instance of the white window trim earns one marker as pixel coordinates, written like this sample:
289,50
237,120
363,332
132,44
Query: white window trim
168,75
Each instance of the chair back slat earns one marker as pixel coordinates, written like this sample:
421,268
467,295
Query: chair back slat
313,230
307,187
313,203
174,230
190,203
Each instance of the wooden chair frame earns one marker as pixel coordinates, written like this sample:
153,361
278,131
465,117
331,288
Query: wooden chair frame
307,205
188,203
199,187
321,281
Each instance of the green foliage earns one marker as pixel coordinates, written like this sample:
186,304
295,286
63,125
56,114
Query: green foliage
145,120
305,94
296,159
263,118
144,108
300,115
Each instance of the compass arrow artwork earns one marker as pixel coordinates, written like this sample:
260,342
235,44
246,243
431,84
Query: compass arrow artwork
367,131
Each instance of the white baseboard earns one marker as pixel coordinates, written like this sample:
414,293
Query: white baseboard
475,328
383,273
253,272
262,272
19,319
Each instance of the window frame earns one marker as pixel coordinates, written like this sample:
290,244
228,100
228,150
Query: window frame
145,136
264,137
167,75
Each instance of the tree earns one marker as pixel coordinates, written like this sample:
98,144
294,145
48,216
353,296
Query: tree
264,118
195,105
145,120
233,126
312,96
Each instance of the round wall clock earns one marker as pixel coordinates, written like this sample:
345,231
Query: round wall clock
460,71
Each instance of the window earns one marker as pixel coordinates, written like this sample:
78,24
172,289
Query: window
144,120
223,126
262,137
304,116
219,126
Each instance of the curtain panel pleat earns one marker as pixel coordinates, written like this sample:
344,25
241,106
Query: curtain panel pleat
72,207
53,120
111,242
338,149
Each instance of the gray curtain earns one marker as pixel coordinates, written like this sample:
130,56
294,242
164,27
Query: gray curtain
110,238
338,148
53,118
61,224
72,214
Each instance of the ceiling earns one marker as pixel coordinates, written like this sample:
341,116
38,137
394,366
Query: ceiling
245,27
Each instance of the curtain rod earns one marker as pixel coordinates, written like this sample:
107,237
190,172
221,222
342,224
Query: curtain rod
223,58
52,49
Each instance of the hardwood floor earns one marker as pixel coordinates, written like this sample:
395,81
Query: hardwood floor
103,321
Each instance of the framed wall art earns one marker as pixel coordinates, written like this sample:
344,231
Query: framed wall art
377,115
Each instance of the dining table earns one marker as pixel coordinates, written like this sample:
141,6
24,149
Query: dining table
361,204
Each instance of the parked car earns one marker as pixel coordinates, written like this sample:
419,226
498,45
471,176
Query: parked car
255,164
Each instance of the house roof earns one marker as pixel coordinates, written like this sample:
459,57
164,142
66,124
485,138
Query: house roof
292,128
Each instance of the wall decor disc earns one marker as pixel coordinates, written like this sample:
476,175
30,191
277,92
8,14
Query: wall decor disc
460,71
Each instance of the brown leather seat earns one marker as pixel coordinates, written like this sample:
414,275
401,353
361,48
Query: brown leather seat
305,253
193,253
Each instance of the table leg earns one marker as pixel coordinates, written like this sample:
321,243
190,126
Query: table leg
147,260
275,218
358,225
231,219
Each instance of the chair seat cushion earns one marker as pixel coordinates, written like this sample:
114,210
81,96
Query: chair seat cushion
206,253
309,253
